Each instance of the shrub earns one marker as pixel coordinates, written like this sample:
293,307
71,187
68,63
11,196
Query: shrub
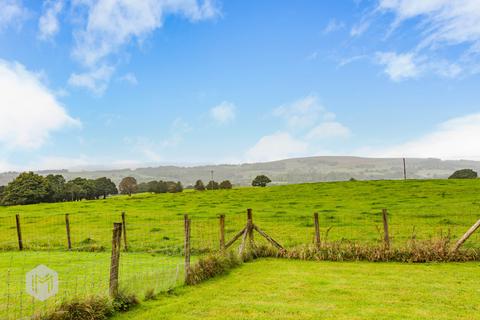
93,308
464,174
212,266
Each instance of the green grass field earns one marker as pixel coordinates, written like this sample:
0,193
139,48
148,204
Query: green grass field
351,210
81,274
286,289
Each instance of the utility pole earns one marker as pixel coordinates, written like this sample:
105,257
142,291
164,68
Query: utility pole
211,180
404,170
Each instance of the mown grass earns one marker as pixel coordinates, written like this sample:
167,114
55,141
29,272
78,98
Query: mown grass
349,210
81,274
287,289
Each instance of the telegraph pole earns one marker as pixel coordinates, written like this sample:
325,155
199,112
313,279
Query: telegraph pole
404,170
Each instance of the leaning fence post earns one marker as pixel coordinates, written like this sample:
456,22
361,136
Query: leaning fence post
124,231
317,230
67,225
19,232
222,232
115,259
187,248
466,235
386,237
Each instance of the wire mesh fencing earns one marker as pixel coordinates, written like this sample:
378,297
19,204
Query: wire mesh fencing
79,246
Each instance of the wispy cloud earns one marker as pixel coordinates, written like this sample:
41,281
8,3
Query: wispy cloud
48,23
223,113
441,24
398,66
332,26
110,25
12,13
129,78
96,80
308,125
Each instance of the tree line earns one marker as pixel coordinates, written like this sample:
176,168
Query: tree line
31,188
129,186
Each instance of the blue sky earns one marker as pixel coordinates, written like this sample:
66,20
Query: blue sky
118,83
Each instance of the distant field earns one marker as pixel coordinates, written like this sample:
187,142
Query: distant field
420,208
282,289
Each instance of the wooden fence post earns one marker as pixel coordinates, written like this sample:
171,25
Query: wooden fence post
250,225
187,248
466,235
115,259
67,225
124,231
222,232
386,236
317,230
19,232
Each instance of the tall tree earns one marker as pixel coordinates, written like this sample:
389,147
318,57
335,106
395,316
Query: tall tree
261,181
105,187
55,187
226,184
27,188
199,186
128,185
212,185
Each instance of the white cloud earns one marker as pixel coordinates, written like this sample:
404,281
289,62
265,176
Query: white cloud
328,130
178,129
360,28
129,78
110,25
332,26
29,111
223,113
48,24
441,23
277,146
95,80
12,13
302,113
398,66
309,126
457,138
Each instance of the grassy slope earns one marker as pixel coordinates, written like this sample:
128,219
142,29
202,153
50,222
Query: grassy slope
353,209
281,289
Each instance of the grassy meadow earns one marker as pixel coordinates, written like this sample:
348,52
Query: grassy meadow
348,211
288,289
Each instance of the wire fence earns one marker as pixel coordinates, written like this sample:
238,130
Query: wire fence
78,246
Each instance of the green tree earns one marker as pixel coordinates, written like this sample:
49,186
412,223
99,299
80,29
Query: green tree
212,185
199,186
2,191
55,187
128,185
226,184
105,187
464,174
27,188
261,181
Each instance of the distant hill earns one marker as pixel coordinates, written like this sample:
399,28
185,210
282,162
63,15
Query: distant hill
284,171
